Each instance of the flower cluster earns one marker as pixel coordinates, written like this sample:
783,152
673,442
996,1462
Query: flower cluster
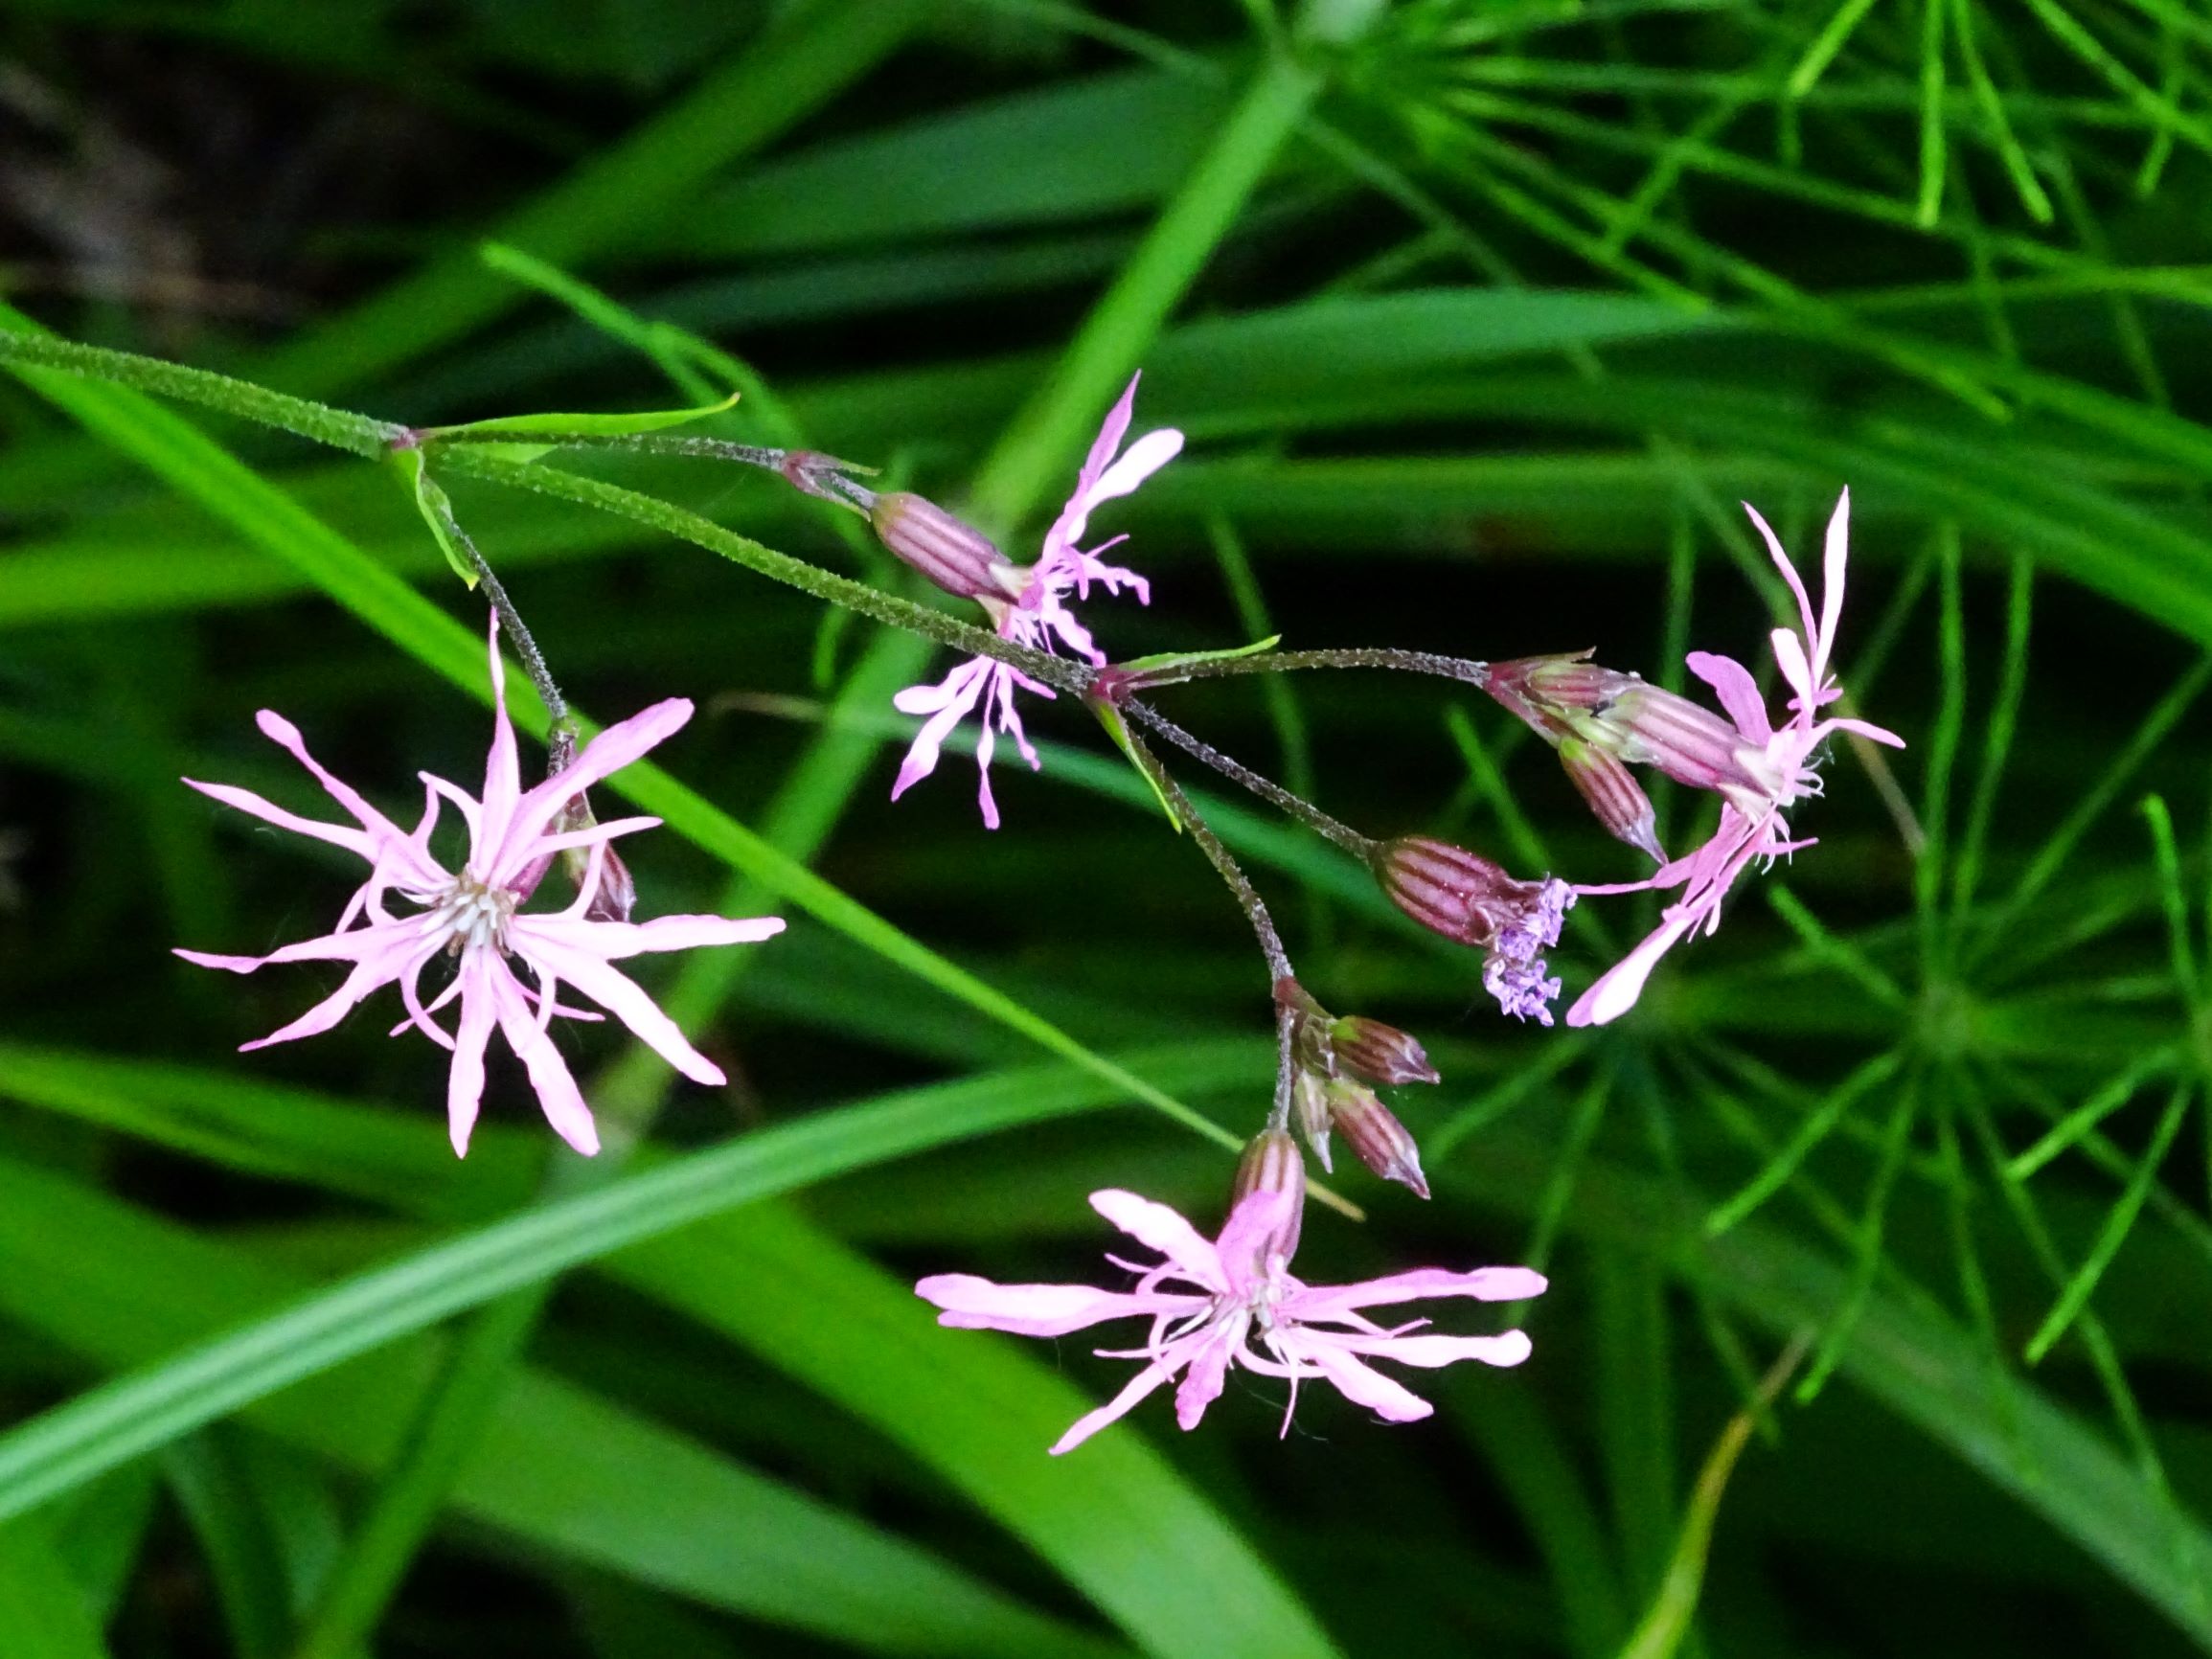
1210,1306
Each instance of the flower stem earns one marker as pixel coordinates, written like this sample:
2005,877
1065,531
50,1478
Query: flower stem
340,428
517,631
1360,847
1224,861
810,578
1462,668
1248,899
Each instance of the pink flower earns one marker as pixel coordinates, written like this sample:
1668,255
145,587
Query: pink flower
473,917
1034,612
1777,761
1234,1302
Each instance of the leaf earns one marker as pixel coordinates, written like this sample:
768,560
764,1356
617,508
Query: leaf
1113,1517
1118,729
1187,659
436,509
44,1613
560,1468
117,1421
558,426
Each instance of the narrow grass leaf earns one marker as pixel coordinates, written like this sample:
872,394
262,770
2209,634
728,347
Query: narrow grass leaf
2114,1234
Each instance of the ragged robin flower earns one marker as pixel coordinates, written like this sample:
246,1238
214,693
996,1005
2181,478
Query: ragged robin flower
1026,604
472,917
1772,766
1215,1305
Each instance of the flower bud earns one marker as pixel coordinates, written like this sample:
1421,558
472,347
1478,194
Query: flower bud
615,896
1380,1052
957,556
1449,890
1309,1107
1270,1164
1371,1130
1613,794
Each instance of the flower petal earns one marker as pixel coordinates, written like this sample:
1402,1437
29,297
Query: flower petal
1357,1381
1788,571
549,955
606,754
379,954
1136,1388
384,836
1616,991
614,941
968,1302
1165,1230
1739,692
1483,1284
464,1081
1835,555
359,842
946,703
1431,1350
502,771
557,1095
1863,729
1111,432
1790,658
1254,1232
1138,463
1203,1383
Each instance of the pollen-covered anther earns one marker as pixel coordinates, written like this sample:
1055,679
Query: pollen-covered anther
476,915
951,553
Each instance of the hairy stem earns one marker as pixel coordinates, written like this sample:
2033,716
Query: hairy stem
827,585
340,428
1360,847
1255,910
1462,668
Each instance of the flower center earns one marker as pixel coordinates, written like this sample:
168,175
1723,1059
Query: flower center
475,914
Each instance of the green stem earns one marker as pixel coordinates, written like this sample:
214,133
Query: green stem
518,634
1255,910
1462,668
340,428
1057,672
1050,427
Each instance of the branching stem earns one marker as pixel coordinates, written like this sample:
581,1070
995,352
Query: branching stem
1360,847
